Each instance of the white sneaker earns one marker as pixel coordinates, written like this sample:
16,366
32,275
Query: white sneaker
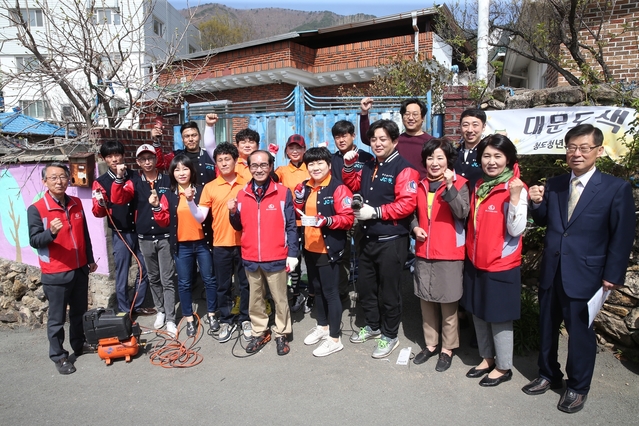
246,330
328,346
159,320
171,329
318,333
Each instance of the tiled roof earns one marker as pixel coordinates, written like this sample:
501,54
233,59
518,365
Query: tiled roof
18,124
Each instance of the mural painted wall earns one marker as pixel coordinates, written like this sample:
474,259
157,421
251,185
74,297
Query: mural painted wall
20,186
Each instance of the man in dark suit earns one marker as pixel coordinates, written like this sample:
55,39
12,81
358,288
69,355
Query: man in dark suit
590,219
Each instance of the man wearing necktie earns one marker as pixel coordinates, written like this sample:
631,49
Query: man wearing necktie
590,220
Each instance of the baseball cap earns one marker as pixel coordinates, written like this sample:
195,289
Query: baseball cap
145,148
298,139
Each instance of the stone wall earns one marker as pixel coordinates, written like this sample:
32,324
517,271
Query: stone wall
22,299
618,322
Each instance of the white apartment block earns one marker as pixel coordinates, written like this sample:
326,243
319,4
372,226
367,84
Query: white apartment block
136,34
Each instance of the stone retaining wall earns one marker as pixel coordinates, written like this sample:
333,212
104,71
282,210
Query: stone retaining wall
22,299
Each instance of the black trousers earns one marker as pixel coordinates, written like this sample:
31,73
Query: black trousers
75,295
324,277
227,262
555,306
378,283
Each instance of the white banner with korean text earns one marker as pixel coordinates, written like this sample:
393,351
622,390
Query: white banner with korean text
542,130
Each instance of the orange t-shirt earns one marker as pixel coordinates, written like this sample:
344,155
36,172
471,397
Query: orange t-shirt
313,239
215,196
290,175
242,169
188,228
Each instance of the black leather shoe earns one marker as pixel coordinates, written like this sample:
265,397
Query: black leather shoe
541,385
64,366
571,401
190,328
423,356
475,372
145,311
443,363
86,349
488,382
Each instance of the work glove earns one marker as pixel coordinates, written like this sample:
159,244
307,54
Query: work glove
300,193
323,221
291,263
367,212
350,158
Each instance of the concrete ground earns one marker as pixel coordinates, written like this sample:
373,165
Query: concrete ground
348,387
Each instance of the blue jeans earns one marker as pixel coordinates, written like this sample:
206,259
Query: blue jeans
188,253
122,257
228,260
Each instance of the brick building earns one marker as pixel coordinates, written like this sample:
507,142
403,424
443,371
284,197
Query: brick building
321,61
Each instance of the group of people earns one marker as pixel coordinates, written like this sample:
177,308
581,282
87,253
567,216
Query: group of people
224,208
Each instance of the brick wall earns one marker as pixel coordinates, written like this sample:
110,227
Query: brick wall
132,139
289,54
621,51
457,100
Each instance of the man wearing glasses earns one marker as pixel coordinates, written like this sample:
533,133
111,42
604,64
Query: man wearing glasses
58,231
590,220
263,211
410,143
154,239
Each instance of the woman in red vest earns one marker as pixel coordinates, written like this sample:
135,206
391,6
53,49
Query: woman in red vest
492,279
442,208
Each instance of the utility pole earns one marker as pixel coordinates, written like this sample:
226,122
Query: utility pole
482,39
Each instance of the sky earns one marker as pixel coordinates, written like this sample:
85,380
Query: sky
349,7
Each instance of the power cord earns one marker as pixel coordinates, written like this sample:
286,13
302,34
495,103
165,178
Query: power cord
173,353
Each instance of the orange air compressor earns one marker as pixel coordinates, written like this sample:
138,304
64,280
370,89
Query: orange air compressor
113,333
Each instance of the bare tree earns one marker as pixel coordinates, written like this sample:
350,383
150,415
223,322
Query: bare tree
102,59
570,36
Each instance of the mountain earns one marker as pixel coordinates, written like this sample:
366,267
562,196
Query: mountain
270,21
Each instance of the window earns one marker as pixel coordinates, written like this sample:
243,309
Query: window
106,17
36,109
158,27
192,49
31,16
26,63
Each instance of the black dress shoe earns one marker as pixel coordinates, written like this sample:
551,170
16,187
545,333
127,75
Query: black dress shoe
423,356
571,401
443,363
488,382
145,311
475,372
86,349
64,366
541,385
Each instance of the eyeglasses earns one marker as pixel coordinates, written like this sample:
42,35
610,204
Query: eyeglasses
413,114
584,149
56,178
146,159
254,167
